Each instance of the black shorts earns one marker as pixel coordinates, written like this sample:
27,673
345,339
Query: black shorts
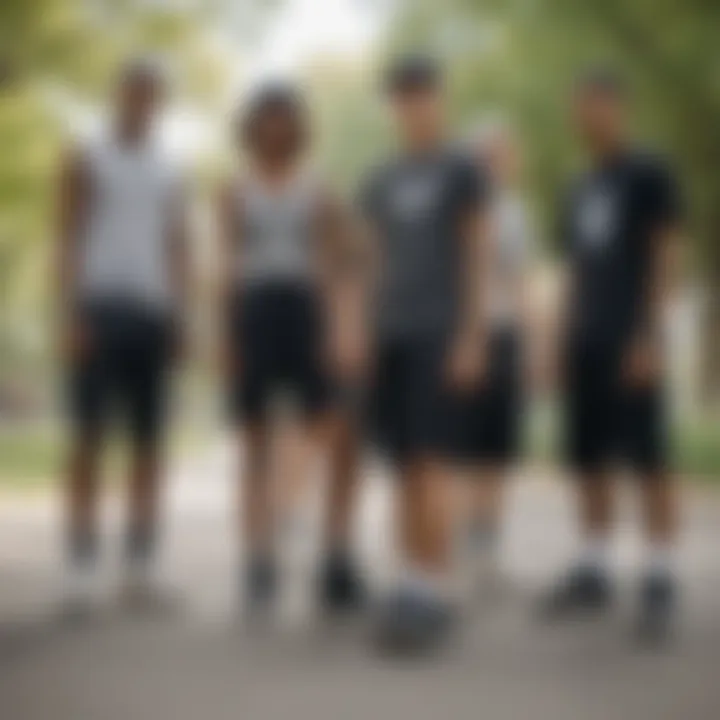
411,410
490,420
605,421
124,370
277,335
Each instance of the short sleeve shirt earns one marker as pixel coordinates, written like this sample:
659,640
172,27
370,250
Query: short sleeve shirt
416,207
611,217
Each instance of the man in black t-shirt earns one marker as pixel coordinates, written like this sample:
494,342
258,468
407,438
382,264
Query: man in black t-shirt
620,227
424,212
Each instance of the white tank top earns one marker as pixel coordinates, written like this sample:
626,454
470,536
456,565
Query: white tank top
133,194
279,231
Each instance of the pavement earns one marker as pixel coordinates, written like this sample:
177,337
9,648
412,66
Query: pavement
203,663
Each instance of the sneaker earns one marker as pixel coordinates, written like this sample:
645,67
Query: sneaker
657,609
411,625
582,591
341,588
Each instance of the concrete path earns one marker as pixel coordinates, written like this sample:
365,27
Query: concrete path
202,664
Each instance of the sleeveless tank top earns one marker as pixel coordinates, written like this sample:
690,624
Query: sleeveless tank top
124,252
279,232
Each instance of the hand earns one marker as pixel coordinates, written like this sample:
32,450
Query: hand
641,363
466,363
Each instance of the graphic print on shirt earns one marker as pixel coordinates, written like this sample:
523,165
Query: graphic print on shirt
415,197
597,218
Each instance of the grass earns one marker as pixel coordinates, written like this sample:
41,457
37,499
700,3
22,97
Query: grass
696,444
32,458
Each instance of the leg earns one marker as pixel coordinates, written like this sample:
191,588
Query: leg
344,462
487,499
82,497
591,421
429,495
143,386
660,506
256,516
143,503
341,585
88,396
647,445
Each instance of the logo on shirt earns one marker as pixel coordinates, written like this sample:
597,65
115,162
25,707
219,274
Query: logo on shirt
597,219
415,197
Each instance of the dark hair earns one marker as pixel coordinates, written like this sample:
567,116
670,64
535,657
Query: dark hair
602,79
143,69
411,73
272,98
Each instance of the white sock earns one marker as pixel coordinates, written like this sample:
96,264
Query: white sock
595,553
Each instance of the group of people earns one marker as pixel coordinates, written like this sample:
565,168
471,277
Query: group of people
405,318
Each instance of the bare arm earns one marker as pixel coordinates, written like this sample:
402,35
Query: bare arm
230,237
468,354
663,280
72,205
180,259
345,276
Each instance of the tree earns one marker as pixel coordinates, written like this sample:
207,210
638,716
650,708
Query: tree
523,54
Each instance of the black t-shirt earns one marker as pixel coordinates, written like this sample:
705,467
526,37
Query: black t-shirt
416,206
610,219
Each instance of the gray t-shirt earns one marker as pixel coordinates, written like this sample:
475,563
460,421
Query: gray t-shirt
416,206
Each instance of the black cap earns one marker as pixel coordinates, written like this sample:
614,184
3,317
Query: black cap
275,95
412,72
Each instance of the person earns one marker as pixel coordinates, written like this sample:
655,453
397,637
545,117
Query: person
621,227
342,585
123,277
283,233
493,417
424,210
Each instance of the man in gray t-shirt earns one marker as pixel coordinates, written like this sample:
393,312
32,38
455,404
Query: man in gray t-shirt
416,204
423,210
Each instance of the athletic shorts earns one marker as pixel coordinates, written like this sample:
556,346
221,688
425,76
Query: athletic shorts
277,333
606,421
490,419
124,371
411,410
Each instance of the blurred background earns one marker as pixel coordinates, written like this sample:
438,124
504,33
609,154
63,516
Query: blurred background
512,57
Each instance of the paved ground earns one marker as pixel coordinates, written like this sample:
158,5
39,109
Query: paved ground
201,664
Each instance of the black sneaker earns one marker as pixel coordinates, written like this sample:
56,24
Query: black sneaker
413,626
657,609
582,591
260,586
341,588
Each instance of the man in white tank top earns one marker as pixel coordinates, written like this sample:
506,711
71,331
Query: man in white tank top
122,275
